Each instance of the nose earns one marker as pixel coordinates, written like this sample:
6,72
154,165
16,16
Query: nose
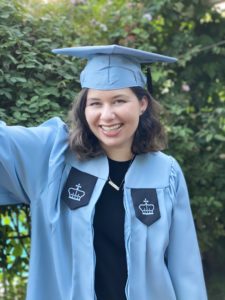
107,113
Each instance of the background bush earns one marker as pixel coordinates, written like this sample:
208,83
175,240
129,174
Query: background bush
36,85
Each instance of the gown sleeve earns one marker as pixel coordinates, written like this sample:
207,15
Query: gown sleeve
26,158
184,260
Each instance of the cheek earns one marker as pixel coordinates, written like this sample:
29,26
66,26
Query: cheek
137,121
133,123
87,116
90,117
134,117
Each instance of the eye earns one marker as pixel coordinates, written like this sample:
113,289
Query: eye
94,103
120,101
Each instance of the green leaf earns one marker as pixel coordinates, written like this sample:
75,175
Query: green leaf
6,220
17,79
220,137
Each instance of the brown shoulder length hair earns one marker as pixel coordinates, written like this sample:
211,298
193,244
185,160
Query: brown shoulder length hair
149,136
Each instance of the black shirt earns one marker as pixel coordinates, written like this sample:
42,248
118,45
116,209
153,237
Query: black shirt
109,244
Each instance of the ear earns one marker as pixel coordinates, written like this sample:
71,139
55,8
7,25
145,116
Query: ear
143,104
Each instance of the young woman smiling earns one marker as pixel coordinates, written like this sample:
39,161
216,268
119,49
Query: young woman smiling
111,217
113,117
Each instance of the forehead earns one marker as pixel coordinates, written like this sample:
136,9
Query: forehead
92,93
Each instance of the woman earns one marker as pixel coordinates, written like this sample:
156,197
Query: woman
111,218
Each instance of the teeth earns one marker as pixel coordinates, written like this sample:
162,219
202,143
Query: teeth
109,128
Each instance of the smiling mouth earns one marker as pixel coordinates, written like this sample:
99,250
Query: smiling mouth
110,128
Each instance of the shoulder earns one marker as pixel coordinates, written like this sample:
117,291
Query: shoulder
54,122
53,131
52,125
160,167
158,160
163,160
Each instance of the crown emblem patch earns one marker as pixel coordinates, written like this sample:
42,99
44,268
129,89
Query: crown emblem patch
146,208
76,193
78,188
146,205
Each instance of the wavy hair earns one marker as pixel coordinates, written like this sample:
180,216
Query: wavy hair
149,136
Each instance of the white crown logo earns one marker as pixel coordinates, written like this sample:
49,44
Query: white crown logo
147,209
77,193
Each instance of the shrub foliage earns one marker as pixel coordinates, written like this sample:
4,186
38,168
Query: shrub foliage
36,85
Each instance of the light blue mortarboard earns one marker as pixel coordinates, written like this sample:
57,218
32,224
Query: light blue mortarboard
113,66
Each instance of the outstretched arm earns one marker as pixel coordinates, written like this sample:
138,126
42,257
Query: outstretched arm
25,158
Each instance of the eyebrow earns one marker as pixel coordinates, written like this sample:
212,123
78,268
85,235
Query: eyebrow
114,97
93,98
119,96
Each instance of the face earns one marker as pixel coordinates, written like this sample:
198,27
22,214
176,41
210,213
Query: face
113,117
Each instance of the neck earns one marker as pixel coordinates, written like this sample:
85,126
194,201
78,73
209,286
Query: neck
120,155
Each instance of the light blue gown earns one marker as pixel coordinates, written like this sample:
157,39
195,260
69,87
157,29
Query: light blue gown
37,168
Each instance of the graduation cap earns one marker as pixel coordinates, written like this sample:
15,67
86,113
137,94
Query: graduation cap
114,67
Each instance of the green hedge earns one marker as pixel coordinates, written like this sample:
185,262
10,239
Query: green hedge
35,85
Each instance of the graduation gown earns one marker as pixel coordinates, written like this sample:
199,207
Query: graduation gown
163,258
